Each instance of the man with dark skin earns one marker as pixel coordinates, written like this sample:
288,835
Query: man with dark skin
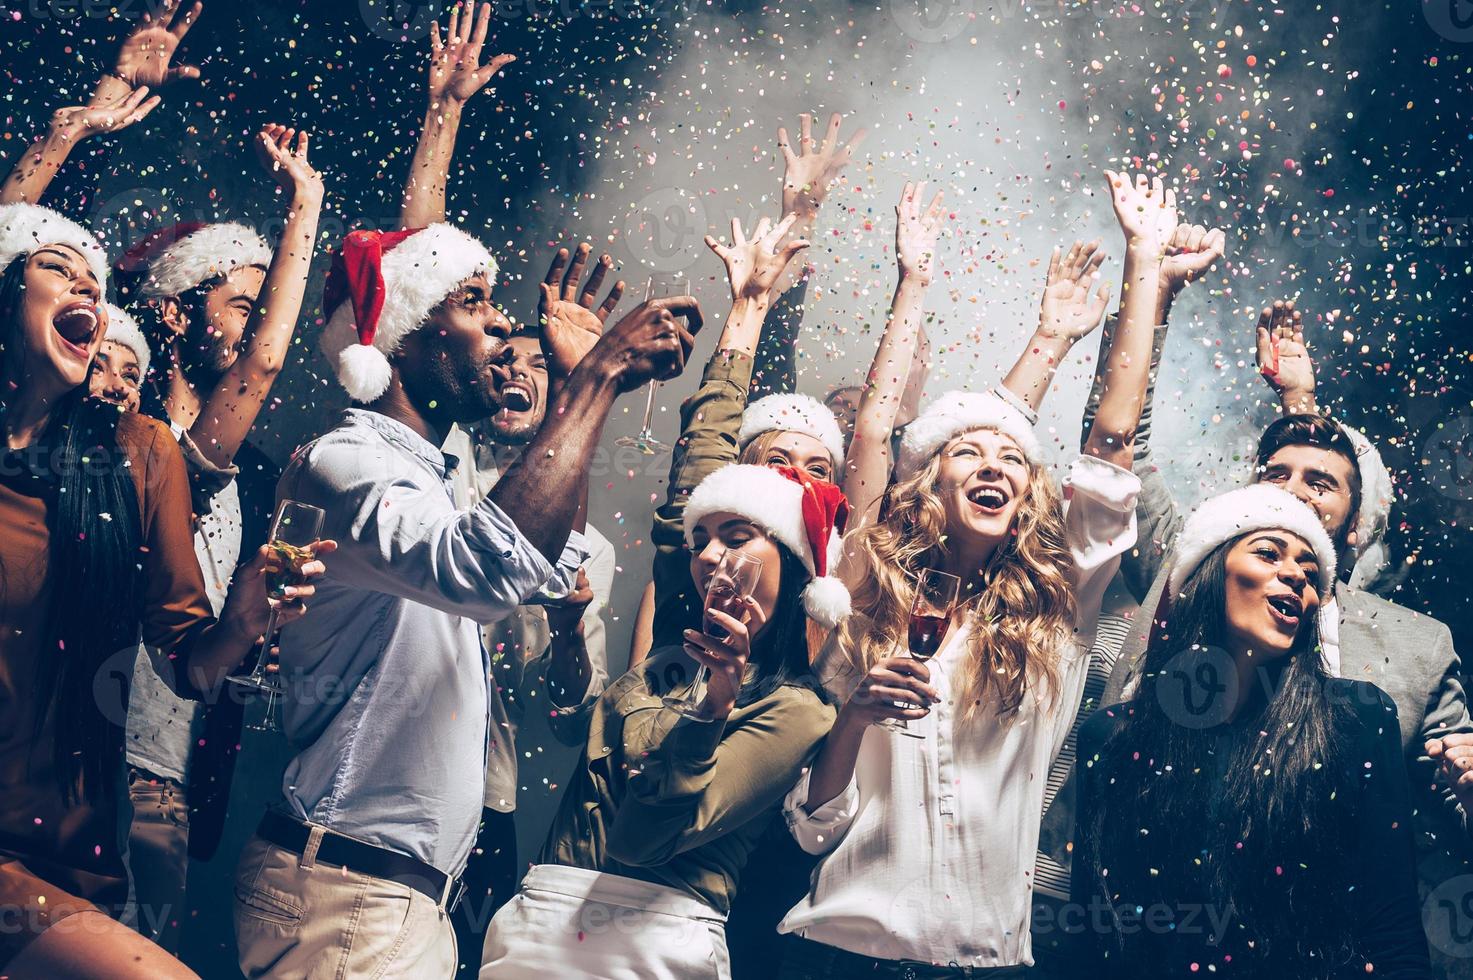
385,793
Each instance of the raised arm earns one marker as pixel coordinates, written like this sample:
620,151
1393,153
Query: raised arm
1283,358
808,176
543,490
867,468
232,407
1074,301
455,74
1146,210
119,99
35,170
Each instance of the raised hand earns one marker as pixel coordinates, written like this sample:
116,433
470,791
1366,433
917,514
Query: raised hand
1069,310
287,164
810,172
106,116
649,343
1146,210
146,53
1190,252
1283,356
572,322
754,265
456,72
916,232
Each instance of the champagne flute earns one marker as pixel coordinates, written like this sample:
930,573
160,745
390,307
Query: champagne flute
735,578
294,528
930,613
672,284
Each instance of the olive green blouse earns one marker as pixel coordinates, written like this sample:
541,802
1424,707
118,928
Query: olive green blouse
661,798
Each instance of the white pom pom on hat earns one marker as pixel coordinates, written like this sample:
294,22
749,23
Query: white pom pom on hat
381,288
954,413
24,228
792,413
807,515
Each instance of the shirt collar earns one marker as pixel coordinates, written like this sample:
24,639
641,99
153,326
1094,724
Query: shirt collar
401,435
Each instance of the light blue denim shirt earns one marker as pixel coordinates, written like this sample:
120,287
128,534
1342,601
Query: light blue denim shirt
387,679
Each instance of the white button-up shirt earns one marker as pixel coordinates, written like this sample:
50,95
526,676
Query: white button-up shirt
387,680
928,853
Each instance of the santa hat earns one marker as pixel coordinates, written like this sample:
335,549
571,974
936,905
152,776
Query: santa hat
1253,508
954,413
807,515
382,287
24,228
1376,498
123,329
175,260
792,413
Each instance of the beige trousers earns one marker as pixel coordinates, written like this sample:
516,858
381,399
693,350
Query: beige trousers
302,920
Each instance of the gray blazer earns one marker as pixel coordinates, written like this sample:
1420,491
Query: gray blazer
1408,655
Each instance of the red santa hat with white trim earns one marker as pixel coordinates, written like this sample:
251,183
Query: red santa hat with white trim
807,515
792,413
382,287
176,259
24,228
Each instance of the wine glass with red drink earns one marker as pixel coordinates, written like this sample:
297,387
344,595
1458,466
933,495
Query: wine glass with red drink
930,614
733,581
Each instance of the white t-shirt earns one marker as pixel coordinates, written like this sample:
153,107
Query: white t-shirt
928,853
163,727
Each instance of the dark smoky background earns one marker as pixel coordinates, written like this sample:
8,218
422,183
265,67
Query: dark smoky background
1331,141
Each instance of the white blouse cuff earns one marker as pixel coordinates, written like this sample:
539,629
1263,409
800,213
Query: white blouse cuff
1104,482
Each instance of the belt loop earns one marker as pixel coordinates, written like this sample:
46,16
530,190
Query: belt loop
314,841
446,894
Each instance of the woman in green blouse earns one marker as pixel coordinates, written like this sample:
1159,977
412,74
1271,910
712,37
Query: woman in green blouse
638,871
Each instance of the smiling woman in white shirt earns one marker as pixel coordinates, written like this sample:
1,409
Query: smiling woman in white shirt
927,843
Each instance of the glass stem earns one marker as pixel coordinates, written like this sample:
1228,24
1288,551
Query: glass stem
649,408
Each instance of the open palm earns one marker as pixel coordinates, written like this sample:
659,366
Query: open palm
754,265
456,72
1074,297
145,56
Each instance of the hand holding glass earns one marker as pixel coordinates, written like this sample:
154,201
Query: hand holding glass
930,613
294,528
673,284
734,580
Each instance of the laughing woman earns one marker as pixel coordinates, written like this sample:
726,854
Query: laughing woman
927,842
1252,807
95,546
647,850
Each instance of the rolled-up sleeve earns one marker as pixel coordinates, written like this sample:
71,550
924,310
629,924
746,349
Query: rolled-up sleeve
399,533
820,831
709,422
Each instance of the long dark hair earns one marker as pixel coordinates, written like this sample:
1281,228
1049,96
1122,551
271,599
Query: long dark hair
780,655
1265,852
94,531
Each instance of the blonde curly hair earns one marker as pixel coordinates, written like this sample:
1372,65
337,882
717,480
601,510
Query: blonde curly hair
1021,619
